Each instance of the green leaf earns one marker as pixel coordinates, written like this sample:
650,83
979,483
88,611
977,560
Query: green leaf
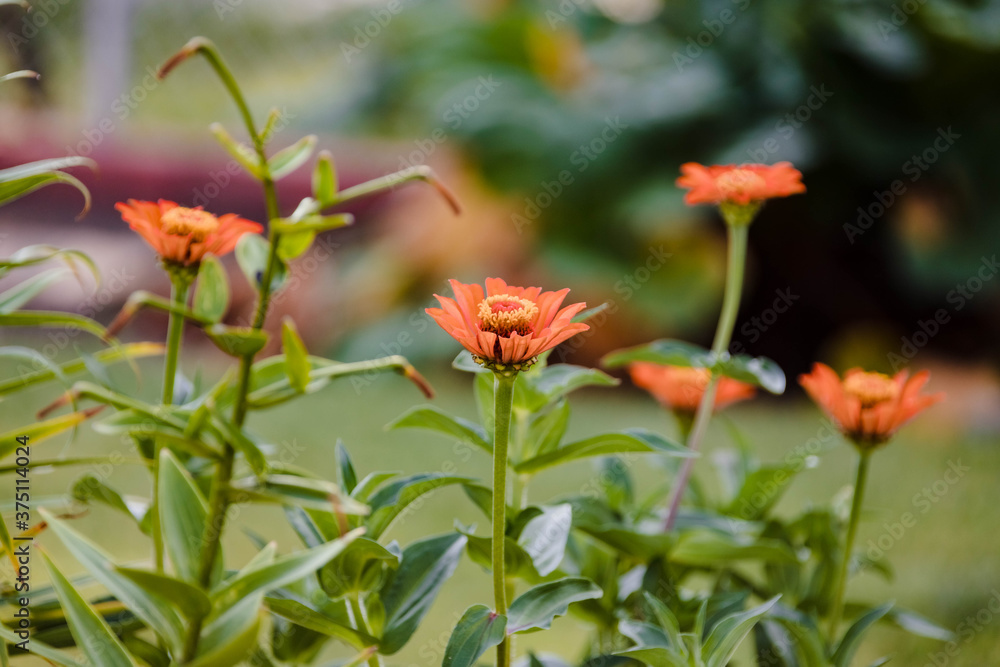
663,351
707,548
408,596
36,254
292,157
479,629
40,649
92,635
346,476
40,431
252,254
357,569
760,371
544,537
211,293
629,440
324,179
852,638
297,364
242,153
560,379
537,607
312,223
390,500
282,571
231,637
918,625
300,614
90,488
295,490
44,318
435,419
237,341
121,353
729,633
183,516
190,600
28,289
11,189
761,490
547,429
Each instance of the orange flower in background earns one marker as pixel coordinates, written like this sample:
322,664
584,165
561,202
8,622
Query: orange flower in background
181,235
506,325
740,185
679,388
868,407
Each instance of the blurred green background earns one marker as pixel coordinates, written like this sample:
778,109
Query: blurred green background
561,125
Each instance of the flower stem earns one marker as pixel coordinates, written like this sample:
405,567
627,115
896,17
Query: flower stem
219,498
837,609
180,287
361,623
503,401
735,264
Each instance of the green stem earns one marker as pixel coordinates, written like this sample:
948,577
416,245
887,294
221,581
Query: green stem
219,498
180,287
503,394
361,623
837,609
723,334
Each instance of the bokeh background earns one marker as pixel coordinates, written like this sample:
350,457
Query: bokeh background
561,125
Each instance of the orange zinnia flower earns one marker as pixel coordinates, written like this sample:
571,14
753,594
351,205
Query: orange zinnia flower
680,389
183,235
740,185
507,326
868,407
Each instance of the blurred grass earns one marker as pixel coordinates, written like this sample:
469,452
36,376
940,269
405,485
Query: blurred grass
946,565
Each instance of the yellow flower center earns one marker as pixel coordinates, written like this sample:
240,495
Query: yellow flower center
504,314
183,221
737,181
871,388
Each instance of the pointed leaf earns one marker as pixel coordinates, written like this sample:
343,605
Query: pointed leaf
188,599
282,571
211,293
27,290
629,440
297,364
324,179
425,566
537,607
298,613
852,638
544,537
479,629
390,500
729,633
91,633
242,153
292,157
237,341
435,419
183,516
